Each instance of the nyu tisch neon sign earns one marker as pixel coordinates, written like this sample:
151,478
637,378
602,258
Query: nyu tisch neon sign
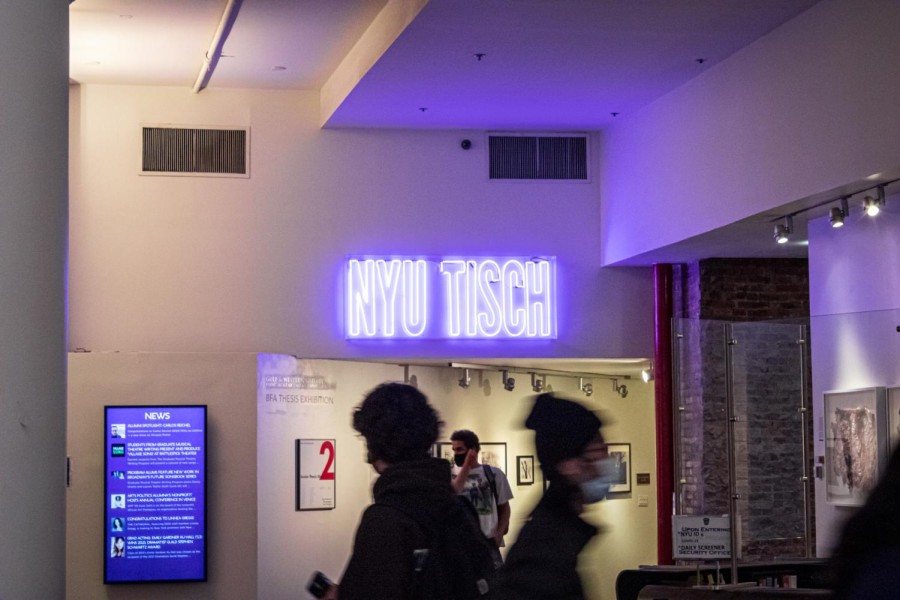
464,298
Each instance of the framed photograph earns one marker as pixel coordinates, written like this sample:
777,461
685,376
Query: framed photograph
524,470
893,420
622,480
855,444
494,454
315,480
444,450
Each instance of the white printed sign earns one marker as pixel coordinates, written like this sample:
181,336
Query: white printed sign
704,538
315,474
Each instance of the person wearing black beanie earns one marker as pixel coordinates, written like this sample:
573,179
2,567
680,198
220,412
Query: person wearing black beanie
574,459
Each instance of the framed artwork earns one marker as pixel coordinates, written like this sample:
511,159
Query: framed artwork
494,454
855,444
621,483
524,470
444,450
893,408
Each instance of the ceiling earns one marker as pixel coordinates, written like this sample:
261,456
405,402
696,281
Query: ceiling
544,65
558,65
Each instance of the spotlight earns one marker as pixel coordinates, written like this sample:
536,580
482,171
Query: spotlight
837,217
871,205
621,390
465,380
509,384
783,232
648,374
536,384
586,388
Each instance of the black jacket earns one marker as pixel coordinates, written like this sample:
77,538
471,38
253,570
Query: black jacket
543,561
381,566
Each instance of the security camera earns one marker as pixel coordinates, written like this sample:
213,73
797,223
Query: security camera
465,144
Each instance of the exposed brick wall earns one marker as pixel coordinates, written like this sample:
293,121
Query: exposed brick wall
711,293
750,289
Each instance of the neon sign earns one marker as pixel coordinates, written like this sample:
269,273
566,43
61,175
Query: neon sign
454,298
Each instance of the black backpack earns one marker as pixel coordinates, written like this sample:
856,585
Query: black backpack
457,563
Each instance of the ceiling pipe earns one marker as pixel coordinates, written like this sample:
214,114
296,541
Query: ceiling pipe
229,16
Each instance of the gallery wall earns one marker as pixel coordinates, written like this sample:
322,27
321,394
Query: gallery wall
806,108
294,544
854,277
229,264
259,545
224,382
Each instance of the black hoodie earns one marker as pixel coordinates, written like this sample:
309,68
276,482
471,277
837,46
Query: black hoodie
408,497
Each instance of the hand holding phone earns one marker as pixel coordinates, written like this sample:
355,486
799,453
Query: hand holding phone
319,585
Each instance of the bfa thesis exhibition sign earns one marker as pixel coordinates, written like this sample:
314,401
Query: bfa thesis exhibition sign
450,298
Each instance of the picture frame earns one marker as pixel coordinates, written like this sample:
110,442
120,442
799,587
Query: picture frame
494,454
621,483
893,420
444,450
525,470
856,443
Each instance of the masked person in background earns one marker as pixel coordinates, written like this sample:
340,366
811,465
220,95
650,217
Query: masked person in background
573,455
418,540
485,487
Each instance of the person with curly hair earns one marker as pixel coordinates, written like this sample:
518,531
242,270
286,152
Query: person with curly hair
414,505
486,487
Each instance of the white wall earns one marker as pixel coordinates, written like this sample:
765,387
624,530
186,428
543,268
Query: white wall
224,382
33,167
807,108
294,544
854,285
209,265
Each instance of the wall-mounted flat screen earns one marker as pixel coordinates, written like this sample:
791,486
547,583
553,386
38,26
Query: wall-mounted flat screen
154,494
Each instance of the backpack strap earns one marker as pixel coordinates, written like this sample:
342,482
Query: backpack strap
492,481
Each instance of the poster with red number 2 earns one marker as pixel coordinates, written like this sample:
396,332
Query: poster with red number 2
315,474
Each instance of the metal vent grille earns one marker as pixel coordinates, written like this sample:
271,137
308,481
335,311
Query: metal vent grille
185,151
538,157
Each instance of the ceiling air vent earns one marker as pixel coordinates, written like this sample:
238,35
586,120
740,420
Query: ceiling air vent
195,151
538,157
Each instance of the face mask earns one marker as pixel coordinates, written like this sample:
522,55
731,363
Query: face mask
459,459
597,489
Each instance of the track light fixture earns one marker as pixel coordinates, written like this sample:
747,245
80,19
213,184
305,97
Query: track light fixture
838,214
783,232
538,377
837,217
465,380
509,383
872,206
408,378
648,374
537,384
586,388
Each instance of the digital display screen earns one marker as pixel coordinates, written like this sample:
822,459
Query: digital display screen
154,494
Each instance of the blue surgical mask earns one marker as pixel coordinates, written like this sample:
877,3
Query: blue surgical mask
597,489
